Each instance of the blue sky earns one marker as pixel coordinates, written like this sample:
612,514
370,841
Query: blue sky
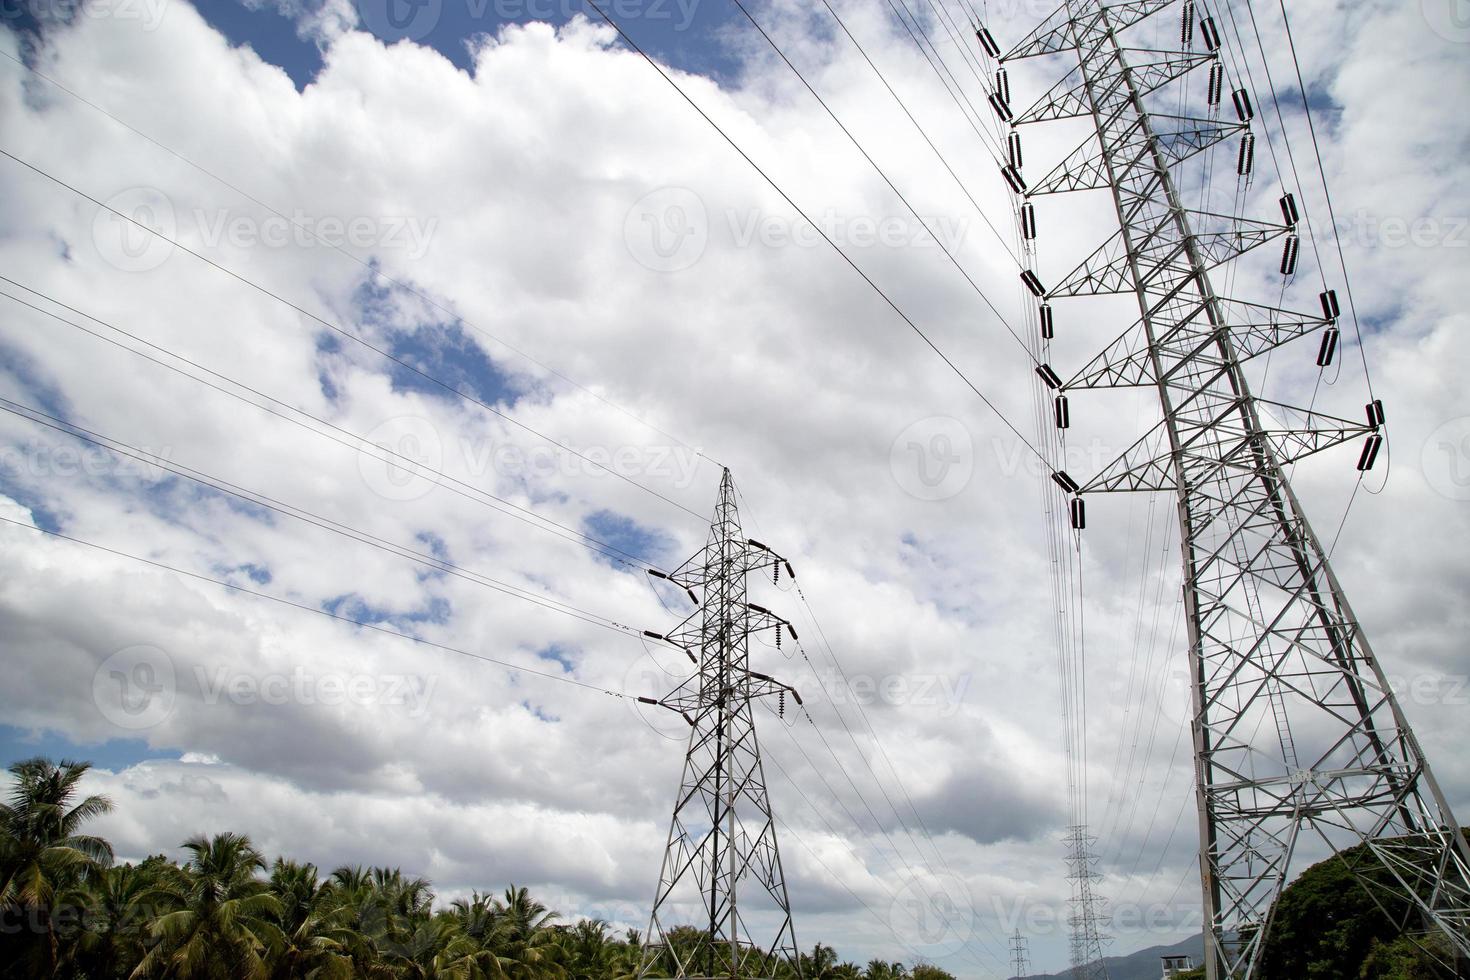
537,180
683,33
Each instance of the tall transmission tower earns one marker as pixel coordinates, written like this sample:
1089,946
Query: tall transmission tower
722,834
1300,745
1087,907
1020,956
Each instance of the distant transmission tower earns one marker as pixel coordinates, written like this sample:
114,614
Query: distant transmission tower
1087,908
722,833
1300,745
1020,958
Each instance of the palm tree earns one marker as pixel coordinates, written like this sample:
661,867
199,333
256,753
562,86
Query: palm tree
315,940
524,945
436,950
43,857
879,970
478,916
590,952
124,900
222,919
820,965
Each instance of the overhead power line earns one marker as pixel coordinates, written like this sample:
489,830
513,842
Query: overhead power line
370,266
305,516
357,442
388,355
363,624
825,237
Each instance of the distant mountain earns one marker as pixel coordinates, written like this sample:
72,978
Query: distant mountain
1142,965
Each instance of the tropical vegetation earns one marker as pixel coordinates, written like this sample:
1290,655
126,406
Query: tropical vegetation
69,910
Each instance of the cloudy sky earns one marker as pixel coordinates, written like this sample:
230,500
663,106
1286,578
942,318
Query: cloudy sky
490,239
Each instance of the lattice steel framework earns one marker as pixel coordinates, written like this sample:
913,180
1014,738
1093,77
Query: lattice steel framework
1087,913
722,834
1296,731
1020,955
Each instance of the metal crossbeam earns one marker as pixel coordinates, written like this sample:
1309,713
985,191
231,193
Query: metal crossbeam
722,834
1296,732
1255,329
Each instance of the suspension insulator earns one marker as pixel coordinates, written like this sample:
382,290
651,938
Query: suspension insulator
1370,453
1047,329
781,700
1328,348
1217,83
1186,24
1028,221
1013,148
1013,178
1065,481
1247,155
1330,309
1375,412
776,578
778,637
1003,85
1079,514
1289,253
1243,107
1064,415
988,42
1209,33
1033,283
1288,210
1001,106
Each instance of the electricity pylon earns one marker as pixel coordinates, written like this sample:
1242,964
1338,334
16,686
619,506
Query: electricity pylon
1086,913
1296,731
722,834
1020,956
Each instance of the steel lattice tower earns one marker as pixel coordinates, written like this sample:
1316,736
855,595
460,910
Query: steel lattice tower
1297,734
1020,956
722,833
1086,913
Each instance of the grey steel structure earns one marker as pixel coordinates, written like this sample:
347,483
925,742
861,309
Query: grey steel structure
1020,955
1086,916
723,836
1300,745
